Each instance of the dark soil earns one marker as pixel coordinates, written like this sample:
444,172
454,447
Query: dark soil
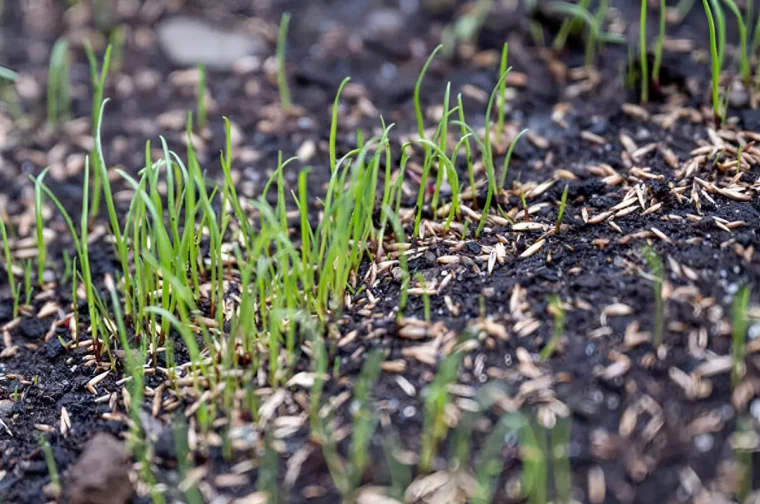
678,449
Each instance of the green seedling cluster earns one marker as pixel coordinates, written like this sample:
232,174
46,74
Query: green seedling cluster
580,15
465,28
184,241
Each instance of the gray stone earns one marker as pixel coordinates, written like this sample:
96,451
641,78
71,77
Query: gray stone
188,41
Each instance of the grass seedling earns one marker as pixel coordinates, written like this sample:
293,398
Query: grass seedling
658,47
740,323
425,295
657,272
568,25
364,419
421,131
55,480
720,22
98,79
101,14
201,96
508,159
39,227
467,150
28,291
716,62
490,462
743,443
560,443
435,427
8,259
644,63
282,77
562,204
755,37
8,92
744,69
465,28
58,89
502,88
116,39
558,313
526,212
7,75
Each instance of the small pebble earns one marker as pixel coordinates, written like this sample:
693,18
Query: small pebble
704,442
754,409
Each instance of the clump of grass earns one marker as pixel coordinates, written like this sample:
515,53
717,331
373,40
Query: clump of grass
740,323
465,28
744,68
568,25
282,77
558,313
58,88
657,271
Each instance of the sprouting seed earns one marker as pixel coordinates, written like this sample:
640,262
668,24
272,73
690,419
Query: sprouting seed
55,480
562,204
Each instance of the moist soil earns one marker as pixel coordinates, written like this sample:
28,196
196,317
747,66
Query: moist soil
679,446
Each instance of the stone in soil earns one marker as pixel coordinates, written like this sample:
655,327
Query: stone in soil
101,474
188,41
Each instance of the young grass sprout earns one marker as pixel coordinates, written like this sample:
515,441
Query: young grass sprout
562,204
558,313
282,77
643,59
58,92
739,314
659,46
657,272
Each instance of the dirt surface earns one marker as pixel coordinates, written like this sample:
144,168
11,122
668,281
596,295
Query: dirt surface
648,425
